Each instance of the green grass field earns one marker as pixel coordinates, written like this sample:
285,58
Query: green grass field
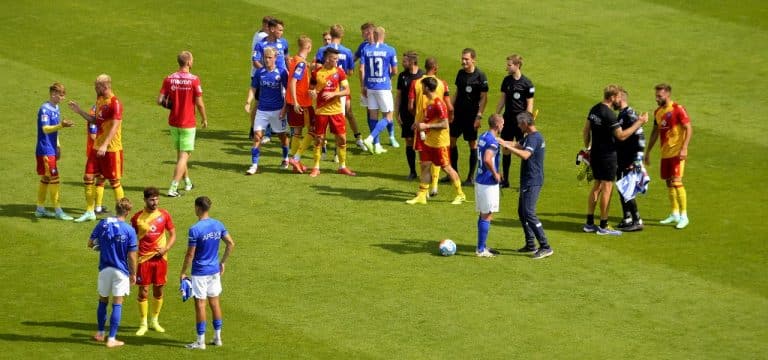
342,268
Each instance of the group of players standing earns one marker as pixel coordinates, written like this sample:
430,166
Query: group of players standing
431,121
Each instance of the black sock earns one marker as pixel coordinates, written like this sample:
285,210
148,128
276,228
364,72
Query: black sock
472,163
506,161
603,223
590,219
410,156
455,158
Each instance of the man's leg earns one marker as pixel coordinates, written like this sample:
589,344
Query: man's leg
143,309
217,319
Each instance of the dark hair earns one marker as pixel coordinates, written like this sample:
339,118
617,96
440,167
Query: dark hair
203,202
664,86
429,83
151,191
329,50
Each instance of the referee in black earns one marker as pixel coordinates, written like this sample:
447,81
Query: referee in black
516,97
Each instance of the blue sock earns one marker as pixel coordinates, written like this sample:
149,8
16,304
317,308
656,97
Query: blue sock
285,152
101,315
114,319
255,152
371,124
217,324
268,131
201,328
380,126
391,129
483,226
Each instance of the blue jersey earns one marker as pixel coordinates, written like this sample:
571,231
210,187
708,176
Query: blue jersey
115,239
48,115
346,59
359,51
205,236
532,170
377,61
487,142
281,45
270,87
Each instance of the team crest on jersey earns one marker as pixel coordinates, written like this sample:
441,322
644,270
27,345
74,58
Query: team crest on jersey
279,45
277,77
516,95
468,89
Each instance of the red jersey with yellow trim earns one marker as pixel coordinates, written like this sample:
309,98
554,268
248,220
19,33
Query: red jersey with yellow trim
150,229
670,120
437,111
298,69
108,111
182,88
325,81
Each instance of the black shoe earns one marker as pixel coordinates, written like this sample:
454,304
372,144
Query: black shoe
542,253
624,224
412,176
633,227
493,251
468,182
446,179
504,184
526,250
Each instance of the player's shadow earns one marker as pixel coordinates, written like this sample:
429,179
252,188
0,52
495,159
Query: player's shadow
215,165
80,338
410,246
380,193
27,211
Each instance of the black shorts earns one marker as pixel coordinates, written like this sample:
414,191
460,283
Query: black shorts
463,125
604,166
511,131
406,131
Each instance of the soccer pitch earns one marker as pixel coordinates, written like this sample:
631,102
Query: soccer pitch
341,268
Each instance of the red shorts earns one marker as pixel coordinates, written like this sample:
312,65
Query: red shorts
152,271
110,166
672,168
301,120
338,124
46,165
439,156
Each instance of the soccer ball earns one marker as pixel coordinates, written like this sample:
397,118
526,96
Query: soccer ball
447,247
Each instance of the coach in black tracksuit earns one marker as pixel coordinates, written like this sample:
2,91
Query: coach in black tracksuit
629,155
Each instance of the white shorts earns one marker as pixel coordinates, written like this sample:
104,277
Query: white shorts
206,286
486,198
381,100
265,118
113,282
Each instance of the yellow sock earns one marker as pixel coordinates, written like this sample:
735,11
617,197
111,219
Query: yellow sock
118,188
457,187
90,196
317,154
53,191
341,150
305,144
143,309
435,176
682,199
42,191
296,143
673,199
99,194
157,304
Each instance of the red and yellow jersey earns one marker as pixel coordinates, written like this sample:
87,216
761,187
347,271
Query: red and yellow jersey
325,81
436,111
670,120
150,229
108,112
182,88
298,69
420,100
